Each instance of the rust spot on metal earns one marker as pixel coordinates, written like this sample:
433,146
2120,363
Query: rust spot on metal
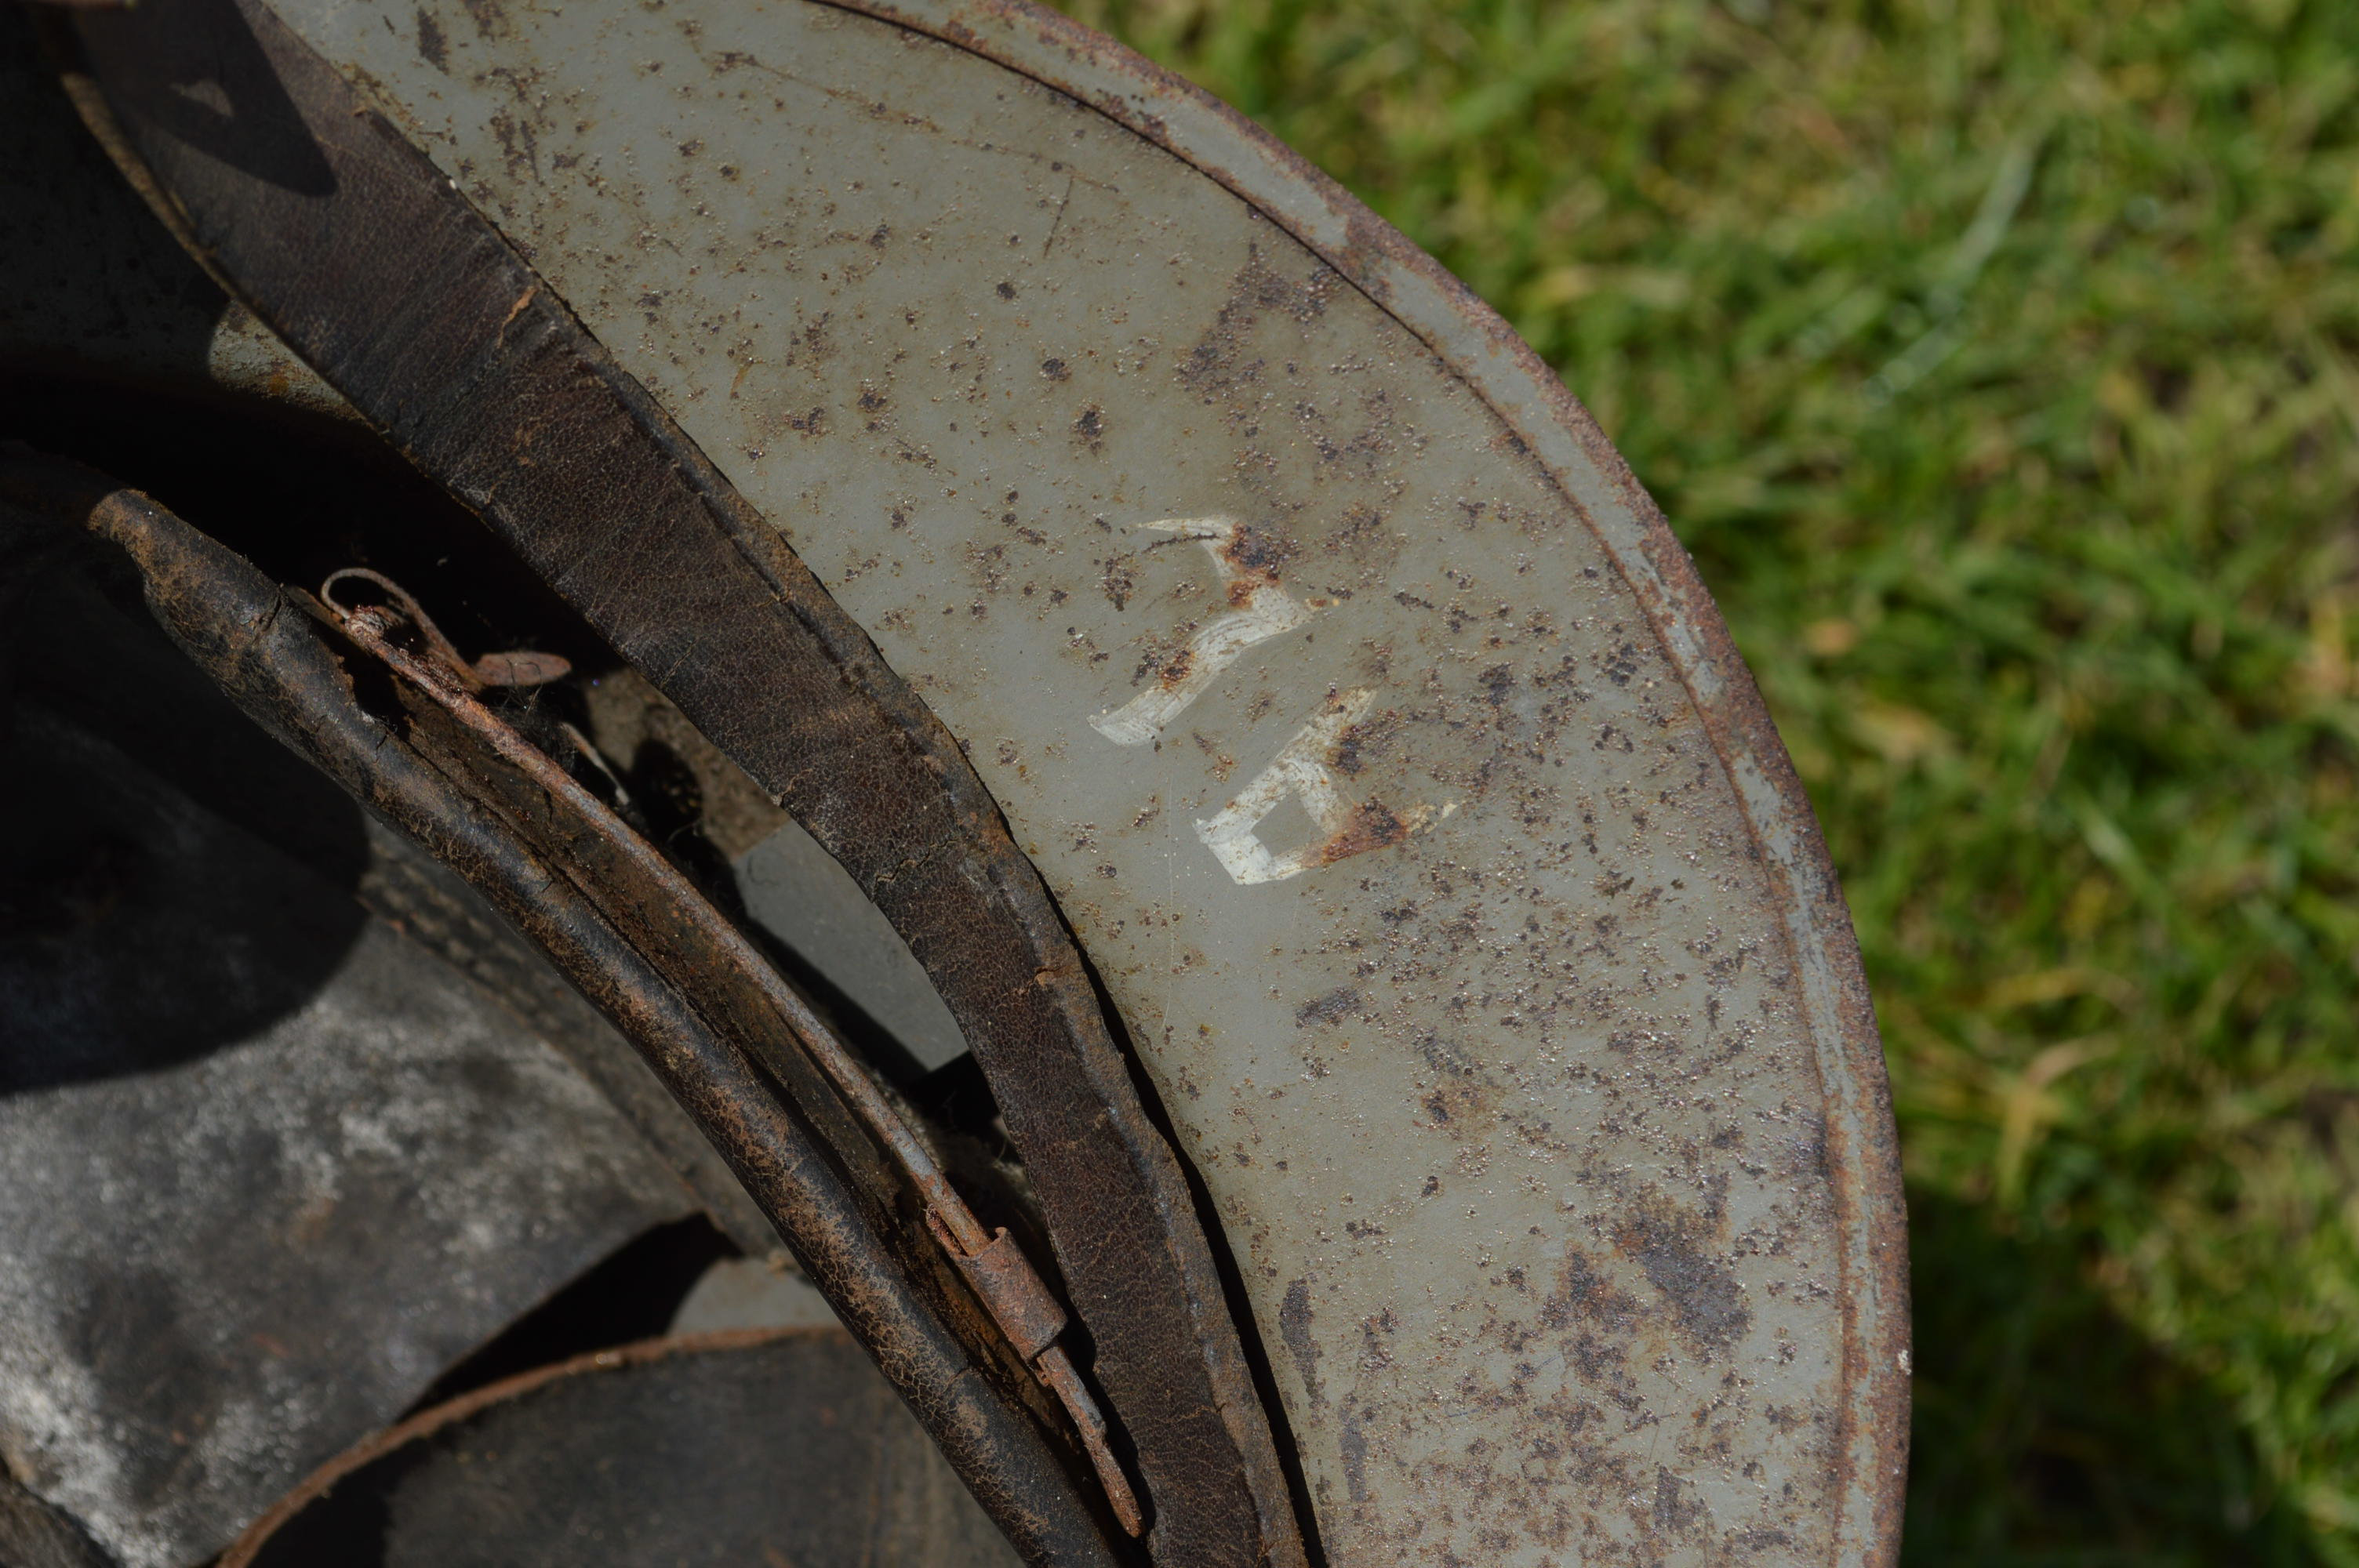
1353,1444
1294,1327
1582,1293
1256,554
1341,1002
1675,1511
1364,742
433,47
1669,1242
1372,826
1118,581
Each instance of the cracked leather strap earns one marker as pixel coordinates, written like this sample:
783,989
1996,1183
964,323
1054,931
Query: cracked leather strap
362,256
699,1020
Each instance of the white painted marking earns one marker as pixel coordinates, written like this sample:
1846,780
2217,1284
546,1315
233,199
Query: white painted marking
1263,613
1300,769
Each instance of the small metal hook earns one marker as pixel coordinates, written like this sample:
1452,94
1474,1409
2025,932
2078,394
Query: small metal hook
520,668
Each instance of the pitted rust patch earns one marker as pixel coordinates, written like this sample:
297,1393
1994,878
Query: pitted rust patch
1339,1003
1365,741
433,47
1352,1443
1294,1327
1119,580
1256,554
1443,1056
1223,363
487,16
1582,1293
1675,1511
1673,1245
1372,826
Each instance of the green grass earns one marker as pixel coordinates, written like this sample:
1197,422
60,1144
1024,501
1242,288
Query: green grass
1997,364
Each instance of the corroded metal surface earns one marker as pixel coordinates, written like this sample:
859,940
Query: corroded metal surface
1374,734
1530,1075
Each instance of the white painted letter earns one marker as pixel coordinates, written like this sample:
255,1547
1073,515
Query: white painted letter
1300,770
1262,610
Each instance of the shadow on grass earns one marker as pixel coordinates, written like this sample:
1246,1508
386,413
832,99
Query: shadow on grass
2050,1431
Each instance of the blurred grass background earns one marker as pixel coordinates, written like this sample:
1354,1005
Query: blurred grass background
1996,362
